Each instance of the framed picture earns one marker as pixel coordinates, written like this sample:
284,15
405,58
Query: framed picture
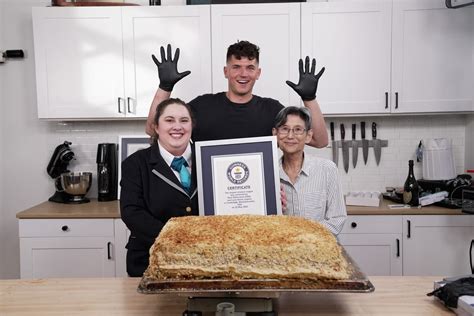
238,176
128,144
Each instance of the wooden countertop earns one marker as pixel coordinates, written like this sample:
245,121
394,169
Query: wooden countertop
93,209
118,296
96,209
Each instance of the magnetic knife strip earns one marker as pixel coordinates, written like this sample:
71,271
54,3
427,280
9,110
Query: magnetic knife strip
383,143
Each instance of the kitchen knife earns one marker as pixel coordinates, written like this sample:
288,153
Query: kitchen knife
355,147
377,144
365,142
335,151
345,149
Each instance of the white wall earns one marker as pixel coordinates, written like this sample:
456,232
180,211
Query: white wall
27,143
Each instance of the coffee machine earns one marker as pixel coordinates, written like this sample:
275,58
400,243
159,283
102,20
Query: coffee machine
107,171
71,188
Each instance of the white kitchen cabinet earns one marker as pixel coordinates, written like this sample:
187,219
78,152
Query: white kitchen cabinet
79,62
374,242
145,29
275,28
67,248
437,244
353,41
414,57
121,238
432,57
94,63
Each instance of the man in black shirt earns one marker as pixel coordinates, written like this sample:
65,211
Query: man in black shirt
237,112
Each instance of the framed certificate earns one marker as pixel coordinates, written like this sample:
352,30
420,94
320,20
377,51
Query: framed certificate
238,176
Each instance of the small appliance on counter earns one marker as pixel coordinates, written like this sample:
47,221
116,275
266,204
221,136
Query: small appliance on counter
71,187
456,193
438,159
107,171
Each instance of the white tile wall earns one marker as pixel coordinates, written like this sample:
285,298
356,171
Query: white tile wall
85,136
403,134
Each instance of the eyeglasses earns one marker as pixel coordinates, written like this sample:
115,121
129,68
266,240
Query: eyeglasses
285,130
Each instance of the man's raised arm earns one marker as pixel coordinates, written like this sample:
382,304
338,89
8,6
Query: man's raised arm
306,88
169,76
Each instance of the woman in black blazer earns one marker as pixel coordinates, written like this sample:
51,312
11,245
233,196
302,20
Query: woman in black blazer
151,191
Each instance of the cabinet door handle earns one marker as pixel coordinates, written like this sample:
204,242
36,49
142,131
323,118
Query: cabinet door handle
409,229
129,100
109,255
470,256
396,100
398,247
119,104
386,100
353,224
65,228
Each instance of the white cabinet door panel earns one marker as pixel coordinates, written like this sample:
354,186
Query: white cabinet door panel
437,245
121,238
375,254
433,57
275,28
145,29
79,62
353,41
67,257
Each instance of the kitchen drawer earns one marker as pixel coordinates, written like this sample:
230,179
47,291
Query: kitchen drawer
373,224
66,227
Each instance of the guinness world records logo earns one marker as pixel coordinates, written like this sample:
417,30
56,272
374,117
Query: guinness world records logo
237,172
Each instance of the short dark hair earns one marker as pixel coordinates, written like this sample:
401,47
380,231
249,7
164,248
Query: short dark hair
300,111
243,49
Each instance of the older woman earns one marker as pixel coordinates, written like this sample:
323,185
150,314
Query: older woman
156,182
311,184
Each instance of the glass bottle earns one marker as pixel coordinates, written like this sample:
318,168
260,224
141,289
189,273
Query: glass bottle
411,189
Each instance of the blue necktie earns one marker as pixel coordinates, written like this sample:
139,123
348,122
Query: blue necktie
179,164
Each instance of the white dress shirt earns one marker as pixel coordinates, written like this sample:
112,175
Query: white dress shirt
316,193
168,157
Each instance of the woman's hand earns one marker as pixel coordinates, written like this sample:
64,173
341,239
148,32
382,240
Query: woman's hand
283,199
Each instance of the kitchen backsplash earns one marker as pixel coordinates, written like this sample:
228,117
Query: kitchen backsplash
402,132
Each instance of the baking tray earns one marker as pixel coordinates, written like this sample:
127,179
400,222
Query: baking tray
357,282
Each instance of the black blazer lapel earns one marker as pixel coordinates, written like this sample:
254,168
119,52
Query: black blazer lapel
161,169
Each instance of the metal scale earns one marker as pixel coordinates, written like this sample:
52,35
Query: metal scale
232,304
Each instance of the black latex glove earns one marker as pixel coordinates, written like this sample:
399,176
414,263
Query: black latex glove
308,83
168,69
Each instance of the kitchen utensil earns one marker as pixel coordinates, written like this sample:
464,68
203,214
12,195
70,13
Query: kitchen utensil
107,171
365,142
345,149
76,184
377,144
355,146
70,187
335,152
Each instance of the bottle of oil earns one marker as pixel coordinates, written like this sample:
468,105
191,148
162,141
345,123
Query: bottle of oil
411,189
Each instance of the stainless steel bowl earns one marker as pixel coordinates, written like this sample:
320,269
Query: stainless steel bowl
76,183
